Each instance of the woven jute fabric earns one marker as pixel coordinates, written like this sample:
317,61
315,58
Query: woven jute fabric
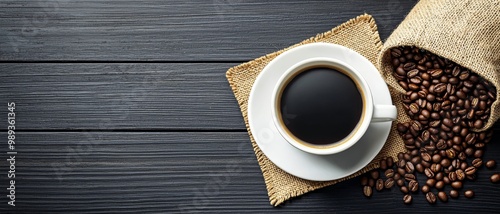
359,34
464,31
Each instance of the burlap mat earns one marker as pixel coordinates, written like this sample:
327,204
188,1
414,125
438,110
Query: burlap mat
464,31
359,34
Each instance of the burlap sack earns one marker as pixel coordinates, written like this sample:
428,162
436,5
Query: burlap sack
464,31
359,34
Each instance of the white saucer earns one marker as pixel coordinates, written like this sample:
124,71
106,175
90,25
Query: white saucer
294,161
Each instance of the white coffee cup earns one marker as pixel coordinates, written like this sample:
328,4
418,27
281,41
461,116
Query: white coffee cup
371,113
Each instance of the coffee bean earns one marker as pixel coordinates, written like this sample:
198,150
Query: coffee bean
456,185
429,173
404,189
439,185
413,186
470,170
460,174
374,174
389,183
442,196
400,182
407,199
454,193
452,176
410,177
430,182
410,168
436,168
440,88
495,178
436,158
425,189
401,171
469,194
414,108
389,173
409,66
396,176
439,176
431,198
477,162
401,163
412,73
367,191
371,182
419,168
490,164
396,53
383,164
379,185
364,181
478,153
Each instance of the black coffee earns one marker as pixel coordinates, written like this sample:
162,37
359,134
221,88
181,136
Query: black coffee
321,106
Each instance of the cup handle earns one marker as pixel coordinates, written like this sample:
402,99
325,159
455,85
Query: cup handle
384,113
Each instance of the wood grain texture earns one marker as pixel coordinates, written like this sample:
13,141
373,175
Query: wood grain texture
174,30
104,172
176,96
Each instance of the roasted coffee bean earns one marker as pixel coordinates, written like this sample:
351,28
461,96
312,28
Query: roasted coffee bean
469,194
436,168
429,173
389,173
367,191
439,185
442,196
456,185
431,198
404,189
419,168
451,153
409,66
425,189
478,153
490,164
371,182
495,178
454,193
430,182
445,163
401,128
364,181
407,199
477,162
410,177
413,186
374,174
389,183
439,176
401,171
383,164
400,182
410,168
452,176
460,174
436,158
396,176
379,184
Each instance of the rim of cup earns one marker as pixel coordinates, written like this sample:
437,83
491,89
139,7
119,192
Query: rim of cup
334,147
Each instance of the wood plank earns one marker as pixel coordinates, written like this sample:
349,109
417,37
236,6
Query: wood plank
174,30
120,96
103,172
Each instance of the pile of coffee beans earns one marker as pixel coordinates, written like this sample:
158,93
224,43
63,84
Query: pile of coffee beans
446,103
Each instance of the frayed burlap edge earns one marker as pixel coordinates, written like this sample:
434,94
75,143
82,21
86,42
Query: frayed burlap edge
279,194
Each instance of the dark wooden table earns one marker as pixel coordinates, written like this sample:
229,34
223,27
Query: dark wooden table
123,106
